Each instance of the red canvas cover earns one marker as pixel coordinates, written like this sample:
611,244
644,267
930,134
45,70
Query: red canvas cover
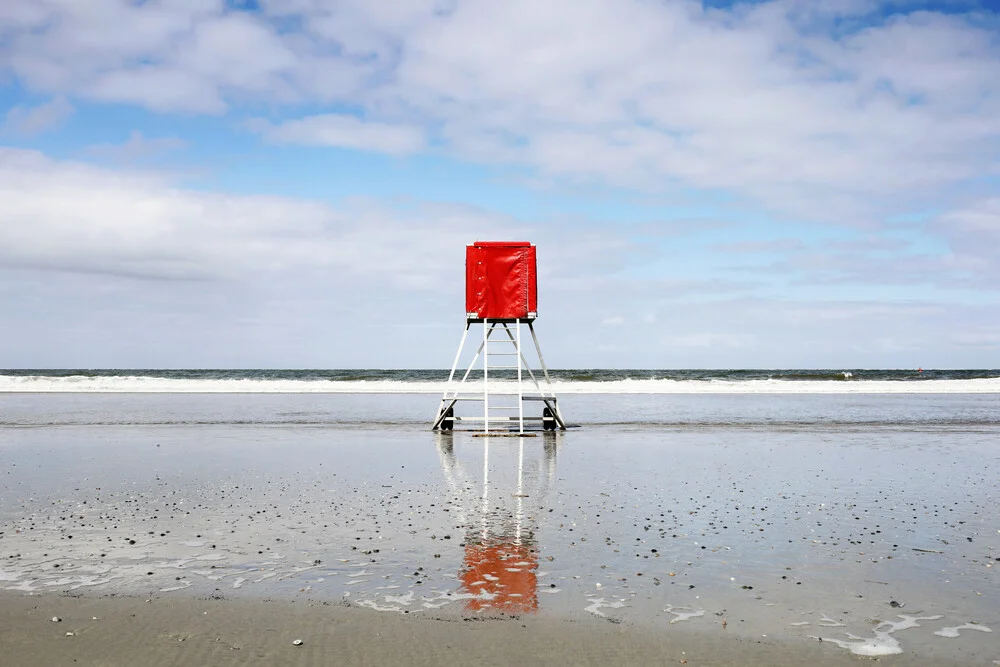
500,280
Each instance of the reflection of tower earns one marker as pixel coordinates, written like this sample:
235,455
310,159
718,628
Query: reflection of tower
501,293
500,567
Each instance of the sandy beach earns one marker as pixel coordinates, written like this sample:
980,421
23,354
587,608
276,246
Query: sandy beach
217,530
130,631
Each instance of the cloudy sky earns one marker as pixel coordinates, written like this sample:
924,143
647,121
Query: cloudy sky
292,183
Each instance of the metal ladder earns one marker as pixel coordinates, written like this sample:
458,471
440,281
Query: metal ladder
512,344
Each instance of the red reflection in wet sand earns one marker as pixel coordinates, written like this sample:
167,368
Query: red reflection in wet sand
506,571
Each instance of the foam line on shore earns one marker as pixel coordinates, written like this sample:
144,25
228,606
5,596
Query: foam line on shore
156,385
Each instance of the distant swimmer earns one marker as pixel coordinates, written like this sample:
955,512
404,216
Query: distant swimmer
920,370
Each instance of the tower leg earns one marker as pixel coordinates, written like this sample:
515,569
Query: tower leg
553,406
548,421
447,408
486,376
520,387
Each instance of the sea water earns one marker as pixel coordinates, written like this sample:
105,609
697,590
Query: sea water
566,381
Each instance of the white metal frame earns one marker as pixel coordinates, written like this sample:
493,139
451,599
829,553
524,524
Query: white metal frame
510,338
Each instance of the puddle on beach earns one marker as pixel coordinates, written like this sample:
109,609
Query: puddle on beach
877,541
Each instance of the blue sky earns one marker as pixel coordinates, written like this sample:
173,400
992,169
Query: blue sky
292,183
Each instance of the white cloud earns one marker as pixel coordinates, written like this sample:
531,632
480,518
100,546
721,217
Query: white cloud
342,131
137,147
159,88
779,333
801,109
66,216
709,340
980,338
56,45
663,92
173,55
75,216
72,216
29,121
980,219
259,270
972,232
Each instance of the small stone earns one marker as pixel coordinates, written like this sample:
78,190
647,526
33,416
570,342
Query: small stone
69,634
56,619
297,642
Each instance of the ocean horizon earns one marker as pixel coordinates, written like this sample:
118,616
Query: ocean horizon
567,381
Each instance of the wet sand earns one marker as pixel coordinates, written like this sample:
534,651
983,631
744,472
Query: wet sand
184,631
718,545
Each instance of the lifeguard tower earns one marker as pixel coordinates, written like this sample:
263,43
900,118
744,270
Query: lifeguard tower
501,294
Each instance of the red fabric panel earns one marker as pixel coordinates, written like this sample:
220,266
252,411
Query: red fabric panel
532,264
500,280
474,273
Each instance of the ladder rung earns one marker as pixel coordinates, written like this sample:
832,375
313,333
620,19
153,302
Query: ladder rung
495,419
479,397
501,368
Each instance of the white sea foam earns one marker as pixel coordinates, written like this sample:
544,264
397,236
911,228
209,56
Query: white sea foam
596,604
179,587
954,631
882,643
143,384
879,645
404,600
683,613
